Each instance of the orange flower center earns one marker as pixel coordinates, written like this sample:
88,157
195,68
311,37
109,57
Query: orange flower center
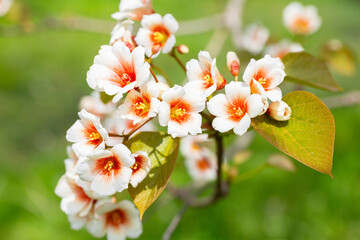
208,81
108,166
203,164
160,35
237,110
179,111
301,25
116,218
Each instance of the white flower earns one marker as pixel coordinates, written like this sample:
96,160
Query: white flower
140,169
139,106
116,220
87,134
5,6
116,70
190,145
202,166
76,199
179,110
233,63
280,111
282,48
264,75
71,162
133,9
108,171
255,38
234,110
301,20
157,33
203,75
123,32
93,104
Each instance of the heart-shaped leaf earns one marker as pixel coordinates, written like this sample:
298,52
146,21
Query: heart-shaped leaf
163,151
306,69
309,134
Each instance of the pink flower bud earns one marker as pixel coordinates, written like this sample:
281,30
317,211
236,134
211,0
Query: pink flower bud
233,63
280,111
183,49
155,49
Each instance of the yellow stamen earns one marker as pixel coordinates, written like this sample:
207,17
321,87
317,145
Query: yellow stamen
125,78
94,136
262,81
180,112
109,165
159,37
140,106
135,166
238,112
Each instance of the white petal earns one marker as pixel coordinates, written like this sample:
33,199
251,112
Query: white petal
237,90
255,105
170,23
223,124
102,185
173,93
243,125
217,105
164,114
170,43
274,94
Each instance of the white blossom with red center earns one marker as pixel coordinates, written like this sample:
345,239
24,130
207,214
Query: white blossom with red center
87,134
282,48
118,125
93,104
116,70
77,199
235,109
5,6
123,32
203,75
140,169
116,220
108,171
191,145
254,38
301,20
179,111
139,106
157,33
264,76
133,9
202,166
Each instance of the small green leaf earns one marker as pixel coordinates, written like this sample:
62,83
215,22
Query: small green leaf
306,69
163,151
105,98
308,136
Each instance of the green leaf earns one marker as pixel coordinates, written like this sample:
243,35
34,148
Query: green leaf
163,151
309,134
306,69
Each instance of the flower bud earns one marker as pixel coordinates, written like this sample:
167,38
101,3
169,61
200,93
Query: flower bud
155,49
233,63
183,49
162,88
280,111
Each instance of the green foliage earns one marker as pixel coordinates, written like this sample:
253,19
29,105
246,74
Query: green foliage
309,134
105,98
306,69
163,151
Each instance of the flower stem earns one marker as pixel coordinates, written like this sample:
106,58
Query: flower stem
178,60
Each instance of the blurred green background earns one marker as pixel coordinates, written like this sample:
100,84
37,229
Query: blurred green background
43,78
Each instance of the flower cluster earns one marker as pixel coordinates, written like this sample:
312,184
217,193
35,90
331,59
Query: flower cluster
298,19
128,97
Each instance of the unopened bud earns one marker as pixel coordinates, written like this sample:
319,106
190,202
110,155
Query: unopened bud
130,46
155,49
233,63
183,49
162,88
280,111
266,106
221,82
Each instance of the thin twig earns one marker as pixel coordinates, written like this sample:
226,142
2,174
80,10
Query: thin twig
175,222
348,99
162,72
178,60
153,74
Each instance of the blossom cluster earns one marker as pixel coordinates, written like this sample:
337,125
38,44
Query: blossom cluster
100,164
299,20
